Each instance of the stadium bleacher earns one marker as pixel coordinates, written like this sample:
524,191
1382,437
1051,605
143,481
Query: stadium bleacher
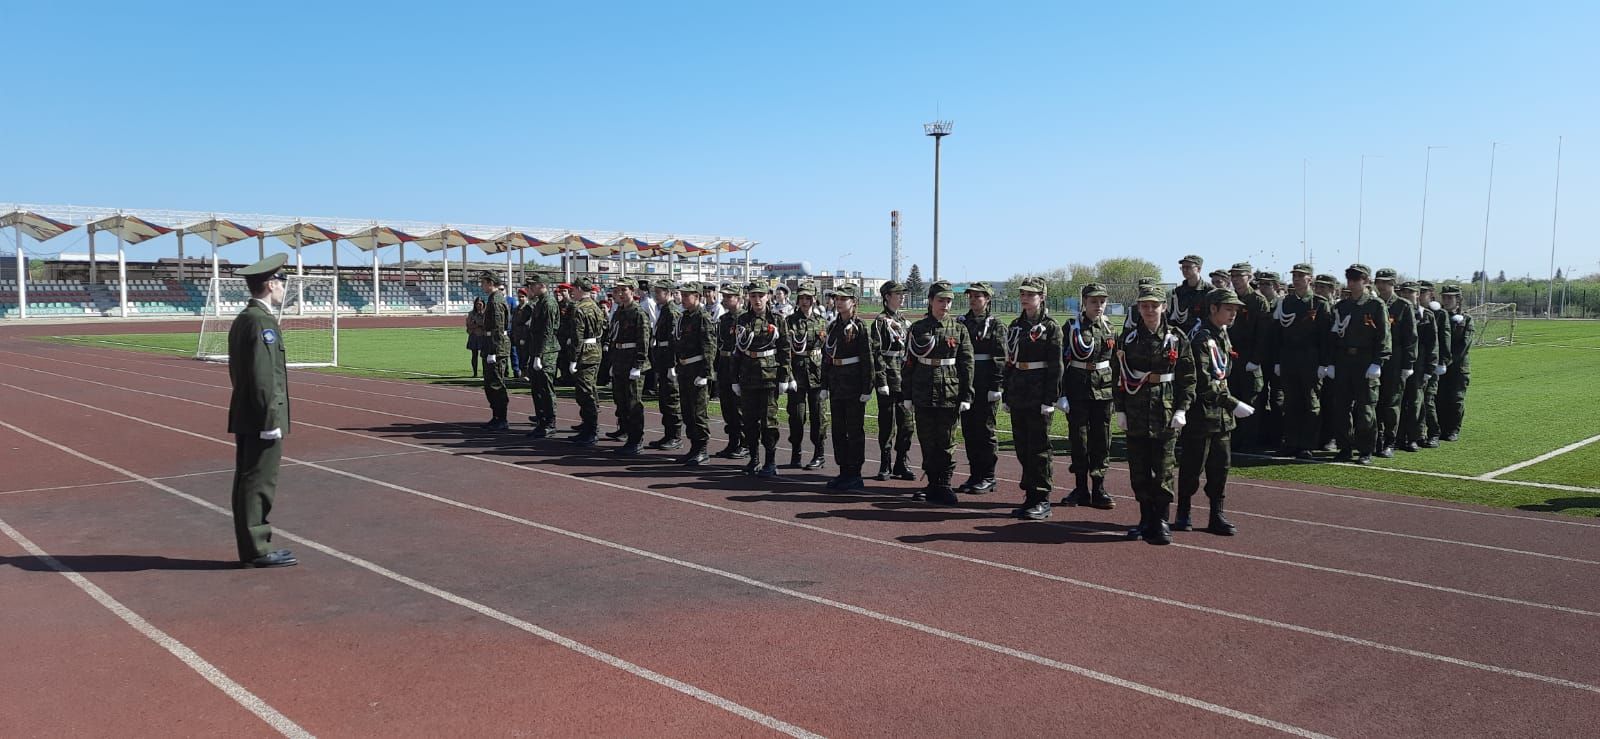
57,298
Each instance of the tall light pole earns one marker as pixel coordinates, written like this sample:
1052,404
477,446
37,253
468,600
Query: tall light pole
1422,231
1361,202
938,130
1483,289
843,273
1303,164
1555,210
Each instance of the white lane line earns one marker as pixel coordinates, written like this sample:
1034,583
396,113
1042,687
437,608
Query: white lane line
898,545
206,473
1417,537
1540,458
534,629
1241,555
1426,473
246,699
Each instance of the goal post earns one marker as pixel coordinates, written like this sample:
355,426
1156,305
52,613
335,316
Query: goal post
1494,324
308,319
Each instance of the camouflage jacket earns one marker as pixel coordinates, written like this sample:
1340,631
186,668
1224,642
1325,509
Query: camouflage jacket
543,317
1186,306
1402,333
662,353
851,362
1298,330
1359,332
1032,373
1249,329
727,329
1087,348
1427,340
889,333
497,326
588,323
938,366
988,350
628,340
1155,378
760,351
1212,410
1461,330
806,337
694,344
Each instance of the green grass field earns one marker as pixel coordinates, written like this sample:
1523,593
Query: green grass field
1525,400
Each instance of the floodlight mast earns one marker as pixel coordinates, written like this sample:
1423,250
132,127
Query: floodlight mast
938,130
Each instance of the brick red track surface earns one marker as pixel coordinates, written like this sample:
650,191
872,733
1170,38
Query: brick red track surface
758,606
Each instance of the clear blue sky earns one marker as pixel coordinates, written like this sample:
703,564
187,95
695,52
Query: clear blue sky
1082,131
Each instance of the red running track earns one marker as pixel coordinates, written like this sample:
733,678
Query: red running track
453,581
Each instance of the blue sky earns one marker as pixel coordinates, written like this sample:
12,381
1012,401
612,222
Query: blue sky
1081,130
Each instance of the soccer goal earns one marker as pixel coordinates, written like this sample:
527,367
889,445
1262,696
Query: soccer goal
1494,324
309,319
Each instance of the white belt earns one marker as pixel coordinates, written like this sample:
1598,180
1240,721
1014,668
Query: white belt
663,343
725,354
982,357
894,354
628,345
846,361
1153,379
1031,365
591,341
1087,366
761,355
692,360
945,362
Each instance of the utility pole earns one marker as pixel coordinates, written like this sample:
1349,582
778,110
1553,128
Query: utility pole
938,130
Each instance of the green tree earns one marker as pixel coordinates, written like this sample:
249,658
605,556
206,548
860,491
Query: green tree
914,284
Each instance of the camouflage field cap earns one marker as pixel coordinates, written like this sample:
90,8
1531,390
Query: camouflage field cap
493,277
1093,290
1241,268
1301,268
1358,270
1033,285
1193,259
1218,273
941,289
890,287
982,288
1271,277
1145,281
693,287
1409,286
1451,290
729,288
1223,296
1424,285
806,287
1385,274
1151,294
583,283
1326,280
664,284
757,286
847,290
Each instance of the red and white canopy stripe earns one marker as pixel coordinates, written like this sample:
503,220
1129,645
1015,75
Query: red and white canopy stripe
378,235
220,231
37,226
132,229
301,233
446,238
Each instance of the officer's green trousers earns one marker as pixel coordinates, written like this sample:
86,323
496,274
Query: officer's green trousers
1089,427
1150,462
255,484
936,432
628,395
1301,417
849,433
1356,401
695,409
1030,431
1453,400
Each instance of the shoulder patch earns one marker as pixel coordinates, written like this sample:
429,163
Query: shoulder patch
269,336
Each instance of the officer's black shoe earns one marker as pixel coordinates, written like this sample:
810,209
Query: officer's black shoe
578,428
1181,522
1386,452
853,482
833,482
1452,436
883,470
697,456
498,424
1332,446
1364,460
1157,532
668,444
966,487
616,435
276,558
1344,455
901,471
538,432
1407,446
1077,497
1037,512
1099,498
1429,443
942,495
630,449
1220,525
817,462
794,459
1304,454
586,439
535,420
984,486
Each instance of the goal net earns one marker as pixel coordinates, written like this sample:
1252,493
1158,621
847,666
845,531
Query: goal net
1494,324
309,319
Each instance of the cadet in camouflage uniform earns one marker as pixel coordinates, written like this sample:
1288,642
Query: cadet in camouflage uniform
664,365
850,373
988,361
732,413
807,330
694,347
761,373
1358,345
543,355
1206,432
1185,305
1155,385
1086,387
1402,362
1430,394
588,326
896,424
1032,388
496,349
1249,335
1458,373
566,332
1411,415
1327,288
628,338
1299,329
1269,415
938,388
1220,280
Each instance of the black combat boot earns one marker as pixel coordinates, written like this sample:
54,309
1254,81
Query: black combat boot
768,469
794,458
901,471
883,467
941,493
1037,510
1344,455
751,465
616,435
538,432
984,485
586,437
1181,521
818,458
1157,532
697,456
1219,524
630,449
1099,498
1137,532
1080,492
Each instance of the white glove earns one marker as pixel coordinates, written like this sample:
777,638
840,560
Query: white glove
538,363
789,387
1045,410
1243,410
1328,371
823,395
272,435
699,382
492,358
672,373
572,367
1179,419
865,398
1251,367
908,405
994,396
736,389
1277,369
1440,369
1458,318
1122,420
965,406
1374,372
1434,305
883,390
633,374
1406,374
1064,404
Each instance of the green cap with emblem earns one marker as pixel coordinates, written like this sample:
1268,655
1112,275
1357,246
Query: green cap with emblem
847,290
1241,268
890,286
533,278
1193,259
266,269
1301,269
1223,296
1358,270
1151,293
692,287
493,277
1326,280
941,289
729,288
1425,284
583,283
1033,285
1408,286
1265,276
1093,290
1451,290
663,283
1216,273
981,288
1386,274
806,287
757,286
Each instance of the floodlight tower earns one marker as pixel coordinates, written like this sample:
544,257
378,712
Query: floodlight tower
938,130
894,245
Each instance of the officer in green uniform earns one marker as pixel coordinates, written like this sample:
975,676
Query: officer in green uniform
1249,335
1458,373
1032,386
1327,288
544,317
694,348
258,412
1269,415
896,424
938,388
1411,415
1155,385
588,327
628,338
1430,395
1358,345
732,413
988,364
1299,328
566,332
1086,387
1184,306
1402,363
761,373
496,349
663,364
850,373
807,331
1210,422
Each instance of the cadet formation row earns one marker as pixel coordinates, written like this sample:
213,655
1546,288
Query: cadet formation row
1206,369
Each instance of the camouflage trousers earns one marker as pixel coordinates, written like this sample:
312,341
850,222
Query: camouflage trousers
669,401
1453,401
1150,463
849,433
936,433
732,411
977,432
759,408
628,395
805,408
1204,452
896,425
1030,433
696,401
587,394
1089,427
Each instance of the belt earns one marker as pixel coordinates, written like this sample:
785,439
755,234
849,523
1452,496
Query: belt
1031,365
591,340
761,355
1091,367
895,355
846,361
691,360
725,355
944,362
983,357
1354,350
663,343
627,345
1157,379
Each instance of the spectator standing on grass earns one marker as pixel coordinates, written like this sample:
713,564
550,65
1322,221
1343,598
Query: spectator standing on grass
475,332
258,412
1458,375
1209,424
